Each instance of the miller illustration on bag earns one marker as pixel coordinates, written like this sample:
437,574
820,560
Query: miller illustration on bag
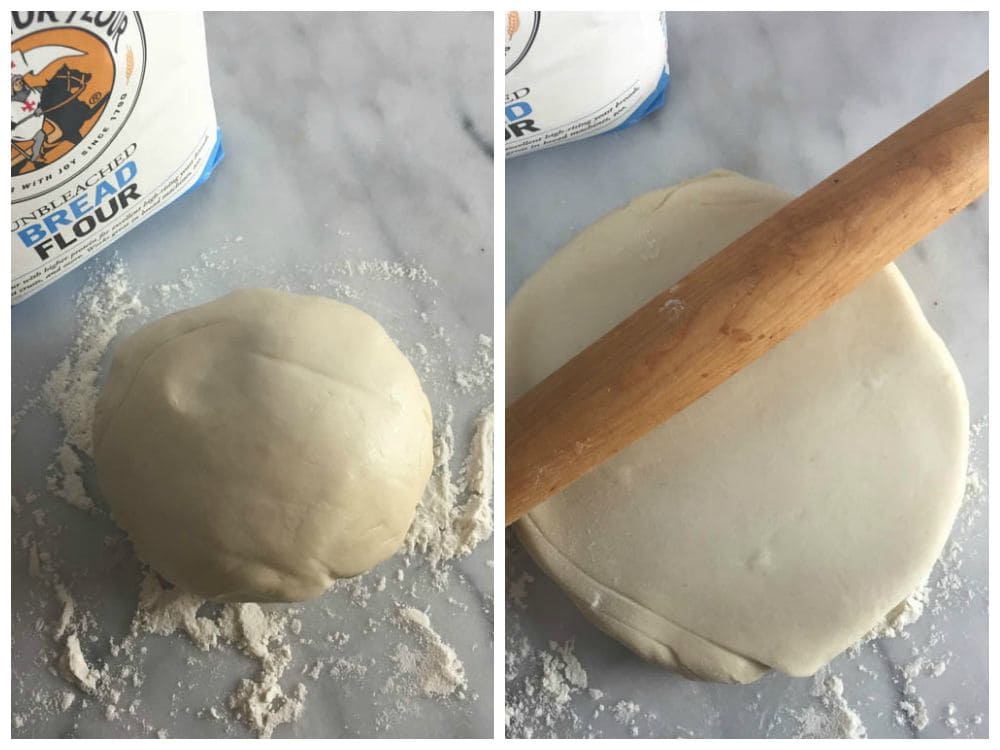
111,119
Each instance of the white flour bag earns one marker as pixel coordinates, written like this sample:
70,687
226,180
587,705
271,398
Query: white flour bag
111,119
574,75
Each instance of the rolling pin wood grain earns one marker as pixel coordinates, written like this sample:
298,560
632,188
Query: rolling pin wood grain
747,298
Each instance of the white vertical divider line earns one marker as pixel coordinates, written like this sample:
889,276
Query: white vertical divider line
499,370
993,358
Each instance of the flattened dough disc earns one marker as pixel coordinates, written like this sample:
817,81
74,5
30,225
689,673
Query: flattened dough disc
773,522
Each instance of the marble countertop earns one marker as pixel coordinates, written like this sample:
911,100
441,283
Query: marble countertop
361,138
785,98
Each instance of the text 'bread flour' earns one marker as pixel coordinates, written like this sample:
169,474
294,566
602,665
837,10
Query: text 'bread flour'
111,120
573,75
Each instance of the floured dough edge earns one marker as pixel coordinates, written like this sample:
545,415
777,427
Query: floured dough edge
651,636
656,638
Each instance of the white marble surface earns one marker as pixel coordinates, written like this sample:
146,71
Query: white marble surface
347,137
787,99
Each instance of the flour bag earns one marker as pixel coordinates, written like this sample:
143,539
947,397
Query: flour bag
574,75
111,120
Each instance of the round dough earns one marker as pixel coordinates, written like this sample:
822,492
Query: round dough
261,446
774,521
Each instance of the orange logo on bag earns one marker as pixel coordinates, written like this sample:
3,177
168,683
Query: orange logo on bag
59,85
68,73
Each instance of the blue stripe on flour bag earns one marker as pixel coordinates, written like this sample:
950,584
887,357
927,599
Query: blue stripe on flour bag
653,102
214,158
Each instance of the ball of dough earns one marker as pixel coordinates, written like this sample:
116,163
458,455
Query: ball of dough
774,521
261,446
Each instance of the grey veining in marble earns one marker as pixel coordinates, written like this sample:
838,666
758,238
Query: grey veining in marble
786,98
361,137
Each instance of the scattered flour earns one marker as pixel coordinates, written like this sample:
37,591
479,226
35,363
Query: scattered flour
352,668
517,591
913,711
481,374
71,388
543,702
75,667
906,613
261,702
626,711
338,639
387,269
435,668
101,668
445,527
838,720
64,479
562,673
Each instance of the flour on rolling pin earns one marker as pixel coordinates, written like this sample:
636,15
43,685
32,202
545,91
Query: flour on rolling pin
111,120
573,75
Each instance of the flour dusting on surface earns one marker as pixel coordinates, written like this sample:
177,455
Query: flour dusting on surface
853,697
104,672
837,720
71,389
546,691
434,667
456,513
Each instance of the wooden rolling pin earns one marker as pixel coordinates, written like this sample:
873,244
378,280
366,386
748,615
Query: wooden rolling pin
748,298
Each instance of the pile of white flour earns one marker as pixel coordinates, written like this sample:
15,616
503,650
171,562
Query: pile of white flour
93,667
446,527
434,666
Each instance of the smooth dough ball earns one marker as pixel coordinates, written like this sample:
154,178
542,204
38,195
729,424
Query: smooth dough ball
261,446
774,521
